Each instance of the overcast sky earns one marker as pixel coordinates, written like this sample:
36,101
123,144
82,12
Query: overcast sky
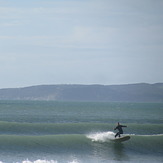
80,42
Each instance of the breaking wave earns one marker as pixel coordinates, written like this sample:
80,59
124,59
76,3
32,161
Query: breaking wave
43,161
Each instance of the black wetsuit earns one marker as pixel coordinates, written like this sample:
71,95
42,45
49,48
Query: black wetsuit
119,128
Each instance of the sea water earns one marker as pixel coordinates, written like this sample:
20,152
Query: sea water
79,132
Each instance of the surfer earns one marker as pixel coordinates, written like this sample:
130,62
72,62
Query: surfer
119,128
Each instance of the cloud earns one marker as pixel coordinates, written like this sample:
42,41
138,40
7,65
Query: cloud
91,37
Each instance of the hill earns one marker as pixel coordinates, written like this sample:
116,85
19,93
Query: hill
141,92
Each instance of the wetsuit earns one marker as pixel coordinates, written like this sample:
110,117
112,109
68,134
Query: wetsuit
119,128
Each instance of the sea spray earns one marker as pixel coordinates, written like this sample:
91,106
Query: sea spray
101,136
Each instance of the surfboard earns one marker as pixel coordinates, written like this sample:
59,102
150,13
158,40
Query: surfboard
121,139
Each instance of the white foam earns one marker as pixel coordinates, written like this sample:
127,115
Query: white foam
74,162
44,161
40,161
101,136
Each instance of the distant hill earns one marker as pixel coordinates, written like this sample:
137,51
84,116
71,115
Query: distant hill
141,92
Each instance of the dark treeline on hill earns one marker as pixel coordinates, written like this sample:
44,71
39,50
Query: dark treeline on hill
141,92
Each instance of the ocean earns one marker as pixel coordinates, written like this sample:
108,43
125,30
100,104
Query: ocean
79,132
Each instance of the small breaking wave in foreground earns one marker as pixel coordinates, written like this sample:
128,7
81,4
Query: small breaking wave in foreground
43,161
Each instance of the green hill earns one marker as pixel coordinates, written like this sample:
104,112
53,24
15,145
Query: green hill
141,92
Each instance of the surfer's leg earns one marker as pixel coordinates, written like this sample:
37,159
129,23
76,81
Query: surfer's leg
120,133
116,135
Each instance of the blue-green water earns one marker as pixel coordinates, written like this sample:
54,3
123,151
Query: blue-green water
79,132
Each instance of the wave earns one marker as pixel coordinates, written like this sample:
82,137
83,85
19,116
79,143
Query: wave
107,136
51,128
43,161
142,144
46,161
16,128
40,161
75,140
79,144
45,143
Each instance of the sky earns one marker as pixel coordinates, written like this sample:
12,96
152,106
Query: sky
80,42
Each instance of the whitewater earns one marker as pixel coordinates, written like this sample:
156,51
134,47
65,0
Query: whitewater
79,132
